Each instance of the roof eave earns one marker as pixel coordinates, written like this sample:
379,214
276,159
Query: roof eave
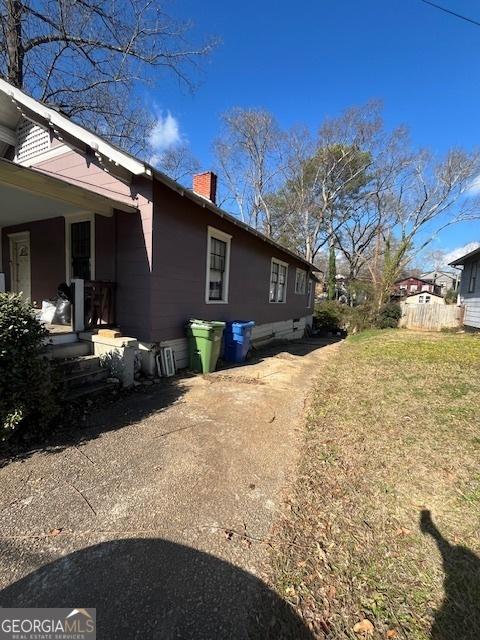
61,124
461,261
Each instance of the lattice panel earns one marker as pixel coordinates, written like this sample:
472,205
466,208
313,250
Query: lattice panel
31,140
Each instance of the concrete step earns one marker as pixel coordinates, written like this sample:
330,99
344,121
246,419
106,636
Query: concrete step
90,390
77,365
70,350
83,378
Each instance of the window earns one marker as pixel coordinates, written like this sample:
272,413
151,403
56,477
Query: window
309,293
278,281
473,277
80,246
80,249
427,298
420,299
300,281
218,266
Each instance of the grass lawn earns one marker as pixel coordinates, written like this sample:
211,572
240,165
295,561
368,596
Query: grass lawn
382,529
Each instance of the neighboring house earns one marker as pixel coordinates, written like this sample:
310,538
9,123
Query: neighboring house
146,252
444,279
424,297
412,284
469,292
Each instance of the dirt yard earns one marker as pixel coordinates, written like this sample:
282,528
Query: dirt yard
380,535
158,511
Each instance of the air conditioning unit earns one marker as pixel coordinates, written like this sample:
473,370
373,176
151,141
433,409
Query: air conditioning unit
166,362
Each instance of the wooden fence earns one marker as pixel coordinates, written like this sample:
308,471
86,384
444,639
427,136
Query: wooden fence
431,317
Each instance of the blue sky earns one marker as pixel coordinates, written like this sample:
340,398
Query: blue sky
306,60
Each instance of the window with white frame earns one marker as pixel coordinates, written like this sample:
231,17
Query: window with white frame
309,293
473,277
300,281
218,266
278,281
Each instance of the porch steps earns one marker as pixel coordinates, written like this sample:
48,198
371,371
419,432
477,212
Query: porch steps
83,376
69,350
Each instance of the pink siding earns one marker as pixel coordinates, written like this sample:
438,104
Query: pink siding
179,270
86,172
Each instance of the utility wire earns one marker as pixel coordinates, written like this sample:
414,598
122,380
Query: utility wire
452,13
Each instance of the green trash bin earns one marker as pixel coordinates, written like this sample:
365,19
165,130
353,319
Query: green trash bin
204,342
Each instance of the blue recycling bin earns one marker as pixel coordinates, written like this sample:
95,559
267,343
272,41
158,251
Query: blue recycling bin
237,337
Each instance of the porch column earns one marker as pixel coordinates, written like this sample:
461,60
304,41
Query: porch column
78,311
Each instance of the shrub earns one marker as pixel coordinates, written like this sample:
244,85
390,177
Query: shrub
335,316
329,316
389,315
26,390
451,296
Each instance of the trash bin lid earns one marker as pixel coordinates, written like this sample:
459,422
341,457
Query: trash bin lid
205,324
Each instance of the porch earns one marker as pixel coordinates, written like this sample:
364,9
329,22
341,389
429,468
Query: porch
54,232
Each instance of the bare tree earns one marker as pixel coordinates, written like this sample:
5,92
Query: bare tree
428,196
87,57
248,153
325,178
370,216
178,163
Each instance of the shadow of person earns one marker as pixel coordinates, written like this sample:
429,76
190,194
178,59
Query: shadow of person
459,616
153,588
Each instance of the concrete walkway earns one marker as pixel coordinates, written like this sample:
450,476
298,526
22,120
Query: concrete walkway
155,513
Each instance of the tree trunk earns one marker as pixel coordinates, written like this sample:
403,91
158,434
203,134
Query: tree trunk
13,35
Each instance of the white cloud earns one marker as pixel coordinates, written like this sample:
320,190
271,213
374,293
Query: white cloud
474,188
164,134
461,251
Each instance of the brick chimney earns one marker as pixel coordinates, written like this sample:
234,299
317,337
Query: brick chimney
205,184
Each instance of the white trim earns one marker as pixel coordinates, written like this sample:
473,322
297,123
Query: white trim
78,316
78,217
297,272
283,264
12,238
48,117
212,232
51,153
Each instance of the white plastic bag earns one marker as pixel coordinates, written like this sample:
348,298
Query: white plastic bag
48,312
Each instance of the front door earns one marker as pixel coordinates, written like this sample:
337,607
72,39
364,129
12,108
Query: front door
20,264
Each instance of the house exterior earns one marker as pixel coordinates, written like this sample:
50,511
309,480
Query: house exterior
412,284
469,292
75,208
424,297
443,279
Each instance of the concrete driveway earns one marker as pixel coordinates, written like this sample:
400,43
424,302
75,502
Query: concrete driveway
157,512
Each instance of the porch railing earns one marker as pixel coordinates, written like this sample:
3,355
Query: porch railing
99,304
93,304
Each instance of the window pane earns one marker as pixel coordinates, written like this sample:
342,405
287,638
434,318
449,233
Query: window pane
216,285
80,250
218,255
